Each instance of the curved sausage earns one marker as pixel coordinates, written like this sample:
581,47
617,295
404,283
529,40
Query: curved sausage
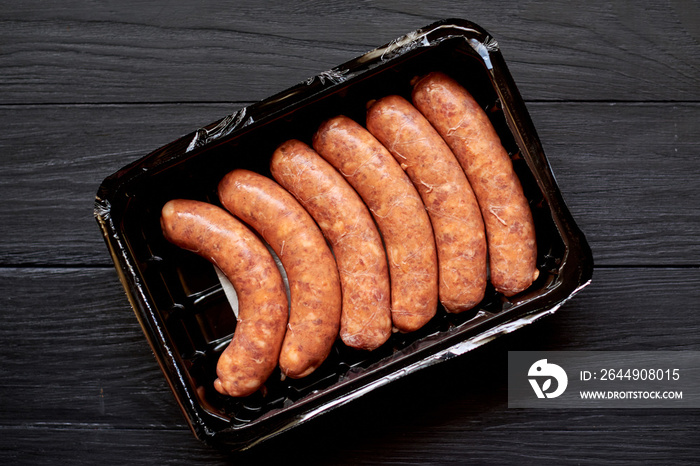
347,224
314,286
398,211
446,193
215,235
510,229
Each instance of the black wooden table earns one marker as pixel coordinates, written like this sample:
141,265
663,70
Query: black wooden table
87,87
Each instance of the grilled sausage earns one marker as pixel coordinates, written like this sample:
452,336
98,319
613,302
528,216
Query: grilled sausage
215,235
446,193
315,295
347,224
398,211
467,130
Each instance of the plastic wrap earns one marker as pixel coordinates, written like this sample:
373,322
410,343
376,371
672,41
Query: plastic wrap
179,299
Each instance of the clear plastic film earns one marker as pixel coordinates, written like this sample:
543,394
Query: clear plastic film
184,310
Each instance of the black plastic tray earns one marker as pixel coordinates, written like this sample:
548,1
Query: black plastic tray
178,298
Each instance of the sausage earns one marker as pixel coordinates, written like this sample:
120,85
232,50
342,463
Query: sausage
398,211
314,285
214,234
446,193
347,224
510,229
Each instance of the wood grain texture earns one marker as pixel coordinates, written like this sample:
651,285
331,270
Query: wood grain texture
54,159
76,352
242,51
80,367
613,89
89,447
627,171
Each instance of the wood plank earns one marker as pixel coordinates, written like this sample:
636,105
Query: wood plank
100,446
133,52
91,445
54,159
75,356
627,171
74,353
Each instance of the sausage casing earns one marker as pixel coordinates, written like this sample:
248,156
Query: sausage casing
446,193
398,211
314,285
465,127
347,224
215,235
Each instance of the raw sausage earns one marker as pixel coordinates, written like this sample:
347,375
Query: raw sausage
446,193
347,224
215,235
314,286
467,130
398,211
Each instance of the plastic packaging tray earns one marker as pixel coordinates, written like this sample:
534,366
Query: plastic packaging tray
179,300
